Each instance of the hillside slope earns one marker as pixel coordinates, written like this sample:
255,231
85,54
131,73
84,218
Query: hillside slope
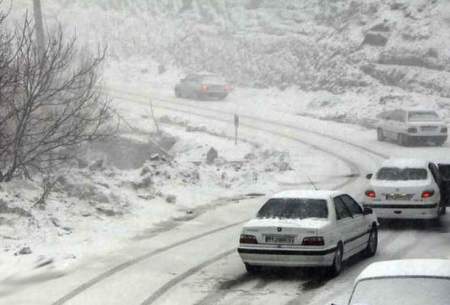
388,50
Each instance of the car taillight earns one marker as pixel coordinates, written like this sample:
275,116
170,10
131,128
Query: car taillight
204,88
427,194
247,239
371,194
444,129
227,88
412,130
313,241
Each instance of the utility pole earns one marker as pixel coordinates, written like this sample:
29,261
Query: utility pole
39,24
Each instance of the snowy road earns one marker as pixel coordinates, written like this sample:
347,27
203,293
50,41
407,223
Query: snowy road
196,262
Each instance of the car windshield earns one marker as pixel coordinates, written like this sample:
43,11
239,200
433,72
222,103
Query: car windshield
294,208
396,173
423,116
402,291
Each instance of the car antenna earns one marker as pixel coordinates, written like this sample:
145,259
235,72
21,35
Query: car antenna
312,183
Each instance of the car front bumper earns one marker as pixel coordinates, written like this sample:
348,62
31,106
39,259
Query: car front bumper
287,257
402,211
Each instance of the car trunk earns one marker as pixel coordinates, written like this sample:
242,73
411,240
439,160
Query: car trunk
400,192
284,231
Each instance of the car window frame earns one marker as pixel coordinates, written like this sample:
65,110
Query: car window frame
338,218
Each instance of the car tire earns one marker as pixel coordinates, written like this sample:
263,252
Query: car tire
380,135
372,243
177,93
336,267
252,269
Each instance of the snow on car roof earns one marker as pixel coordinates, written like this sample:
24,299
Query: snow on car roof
402,163
312,194
407,267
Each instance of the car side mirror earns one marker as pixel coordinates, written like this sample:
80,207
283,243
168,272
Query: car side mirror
367,211
369,176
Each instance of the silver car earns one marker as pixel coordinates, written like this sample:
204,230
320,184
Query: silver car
202,87
411,126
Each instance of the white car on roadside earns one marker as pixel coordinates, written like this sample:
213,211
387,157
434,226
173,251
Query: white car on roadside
411,126
405,188
410,281
308,229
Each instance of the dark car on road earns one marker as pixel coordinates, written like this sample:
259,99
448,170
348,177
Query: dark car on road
202,87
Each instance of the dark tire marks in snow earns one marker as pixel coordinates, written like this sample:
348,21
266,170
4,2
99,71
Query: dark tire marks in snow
137,260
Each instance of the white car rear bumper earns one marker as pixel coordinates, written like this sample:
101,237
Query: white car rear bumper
422,211
286,257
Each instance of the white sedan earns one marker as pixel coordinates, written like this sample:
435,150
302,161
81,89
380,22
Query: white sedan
308,229
411,281
405,188
414,125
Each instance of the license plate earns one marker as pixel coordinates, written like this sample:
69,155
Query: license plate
280,239
397,196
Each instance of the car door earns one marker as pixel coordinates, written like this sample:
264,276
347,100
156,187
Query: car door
438,182
361,227
344,223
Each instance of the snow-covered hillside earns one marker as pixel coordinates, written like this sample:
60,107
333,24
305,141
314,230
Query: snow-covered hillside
367,55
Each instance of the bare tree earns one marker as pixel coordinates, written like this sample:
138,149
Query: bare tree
54,106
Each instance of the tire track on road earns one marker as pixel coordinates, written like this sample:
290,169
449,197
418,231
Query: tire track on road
103,276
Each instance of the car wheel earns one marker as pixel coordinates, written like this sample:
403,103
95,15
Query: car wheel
380,135
336,268
177,93
252,269
372,244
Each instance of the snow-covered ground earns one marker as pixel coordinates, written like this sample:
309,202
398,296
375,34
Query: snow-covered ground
105,211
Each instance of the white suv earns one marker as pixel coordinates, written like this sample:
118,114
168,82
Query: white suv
406,188
408,126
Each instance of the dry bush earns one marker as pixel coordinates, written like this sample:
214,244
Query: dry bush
49,101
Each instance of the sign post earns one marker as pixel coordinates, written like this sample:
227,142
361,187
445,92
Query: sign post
236,127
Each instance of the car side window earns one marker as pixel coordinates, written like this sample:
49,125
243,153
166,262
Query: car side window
341,210
352,205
